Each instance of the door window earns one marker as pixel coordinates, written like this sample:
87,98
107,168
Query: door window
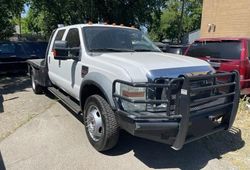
73,38
59,35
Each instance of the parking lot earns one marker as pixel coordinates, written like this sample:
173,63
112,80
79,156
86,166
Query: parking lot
38,132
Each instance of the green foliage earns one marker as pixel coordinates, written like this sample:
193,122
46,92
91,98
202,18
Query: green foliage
34,22
170,22
16,7
127,12
9,9
6,27
161,17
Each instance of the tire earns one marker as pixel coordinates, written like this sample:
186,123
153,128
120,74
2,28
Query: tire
102,136
37,89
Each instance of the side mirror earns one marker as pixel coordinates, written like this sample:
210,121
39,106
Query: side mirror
60,44
63,52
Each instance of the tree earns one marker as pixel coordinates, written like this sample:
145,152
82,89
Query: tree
169,25
127,12
53,12
6,27
33,22
8,10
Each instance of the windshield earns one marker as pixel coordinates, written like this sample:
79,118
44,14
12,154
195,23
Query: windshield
113,39
216,49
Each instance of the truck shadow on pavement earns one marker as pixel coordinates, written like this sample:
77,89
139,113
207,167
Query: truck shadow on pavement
2,166
12,83
1,104
195,155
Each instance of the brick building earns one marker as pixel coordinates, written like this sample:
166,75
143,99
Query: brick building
225,18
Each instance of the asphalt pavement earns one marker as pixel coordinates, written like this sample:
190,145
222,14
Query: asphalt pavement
38,132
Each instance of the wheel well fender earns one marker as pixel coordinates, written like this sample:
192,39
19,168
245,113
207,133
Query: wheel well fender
90,87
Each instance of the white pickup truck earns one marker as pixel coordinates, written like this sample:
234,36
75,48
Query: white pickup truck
116,78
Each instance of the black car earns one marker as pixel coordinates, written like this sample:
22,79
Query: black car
169,48
13,55
177,49
162,46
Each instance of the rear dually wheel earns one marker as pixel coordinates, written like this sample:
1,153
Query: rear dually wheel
36,87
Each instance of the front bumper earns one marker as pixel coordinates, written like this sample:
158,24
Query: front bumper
156,129
192,118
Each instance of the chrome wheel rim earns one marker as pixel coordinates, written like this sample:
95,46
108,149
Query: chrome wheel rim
94,123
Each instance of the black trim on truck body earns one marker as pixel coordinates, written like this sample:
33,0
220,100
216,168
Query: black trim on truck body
91,82
40,72
192,118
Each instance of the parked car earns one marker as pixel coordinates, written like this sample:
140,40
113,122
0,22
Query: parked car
225,54
116,78
13,55
177,49
169,48
162,46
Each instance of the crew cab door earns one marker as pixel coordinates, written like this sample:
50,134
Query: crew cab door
63,72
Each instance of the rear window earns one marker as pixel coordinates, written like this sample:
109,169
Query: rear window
216,49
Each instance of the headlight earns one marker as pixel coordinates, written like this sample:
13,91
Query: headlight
134,93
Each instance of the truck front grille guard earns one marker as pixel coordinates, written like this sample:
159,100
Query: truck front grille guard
189,104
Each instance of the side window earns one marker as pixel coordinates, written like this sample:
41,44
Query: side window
59,35
73,38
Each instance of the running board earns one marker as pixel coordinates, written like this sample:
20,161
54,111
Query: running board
66,100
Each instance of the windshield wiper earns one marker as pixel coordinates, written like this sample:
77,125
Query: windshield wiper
110,50
146,50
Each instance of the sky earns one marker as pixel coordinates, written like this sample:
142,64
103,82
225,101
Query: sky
26,9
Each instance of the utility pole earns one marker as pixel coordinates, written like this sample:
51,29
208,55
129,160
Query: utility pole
20,24
91,11
181,21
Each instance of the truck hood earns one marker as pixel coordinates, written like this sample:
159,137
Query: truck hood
144,65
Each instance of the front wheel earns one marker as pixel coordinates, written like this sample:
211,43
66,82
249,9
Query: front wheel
101,126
